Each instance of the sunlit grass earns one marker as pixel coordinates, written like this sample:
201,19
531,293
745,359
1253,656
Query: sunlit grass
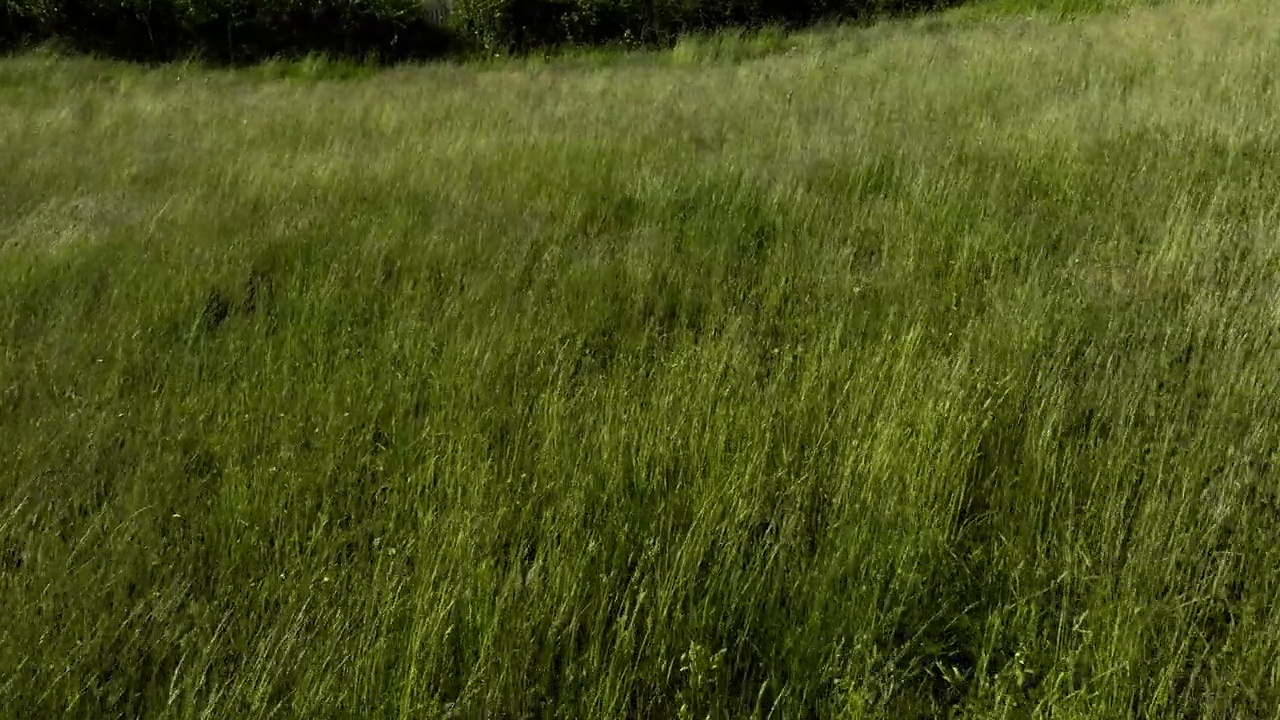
891,372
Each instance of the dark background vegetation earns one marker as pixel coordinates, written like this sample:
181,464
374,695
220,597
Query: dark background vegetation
391,30
229,30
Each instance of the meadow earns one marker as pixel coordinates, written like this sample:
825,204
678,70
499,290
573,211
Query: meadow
927,369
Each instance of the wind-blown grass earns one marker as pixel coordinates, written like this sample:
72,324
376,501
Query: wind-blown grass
921,369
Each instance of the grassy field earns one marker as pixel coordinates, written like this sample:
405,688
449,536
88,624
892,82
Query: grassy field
921,370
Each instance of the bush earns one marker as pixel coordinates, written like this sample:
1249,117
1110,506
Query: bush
247,30
20,21
515,25
233,30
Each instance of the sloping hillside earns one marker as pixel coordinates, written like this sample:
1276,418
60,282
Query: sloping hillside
921,370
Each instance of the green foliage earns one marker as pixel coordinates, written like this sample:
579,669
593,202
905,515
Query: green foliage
23,20
234,30
243,30
914,371
701,671
523,24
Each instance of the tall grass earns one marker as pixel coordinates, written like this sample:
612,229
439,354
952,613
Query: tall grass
923,370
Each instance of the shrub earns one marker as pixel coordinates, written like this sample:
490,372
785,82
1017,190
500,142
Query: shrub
515,25
246,30
233,30
21,20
